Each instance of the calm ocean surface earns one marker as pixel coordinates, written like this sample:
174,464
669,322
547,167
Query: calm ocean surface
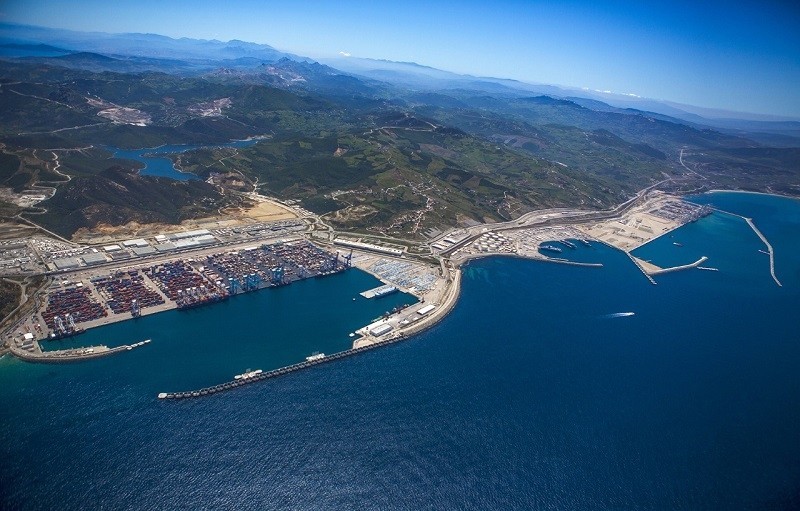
532,394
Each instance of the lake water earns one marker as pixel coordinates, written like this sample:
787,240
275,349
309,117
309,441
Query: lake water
156,165
536,392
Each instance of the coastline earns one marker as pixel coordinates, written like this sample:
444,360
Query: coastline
545,344
443,295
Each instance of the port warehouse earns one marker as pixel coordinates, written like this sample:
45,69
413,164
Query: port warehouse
42,255
369,246
133,247
383,326
185,282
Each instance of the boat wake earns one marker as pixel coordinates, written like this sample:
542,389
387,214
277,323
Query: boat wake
620,315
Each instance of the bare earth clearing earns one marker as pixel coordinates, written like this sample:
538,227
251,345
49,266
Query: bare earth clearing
262,211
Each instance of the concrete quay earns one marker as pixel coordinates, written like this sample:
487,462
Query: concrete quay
72,355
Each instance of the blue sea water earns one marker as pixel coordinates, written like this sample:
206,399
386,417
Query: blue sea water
534,393
154,165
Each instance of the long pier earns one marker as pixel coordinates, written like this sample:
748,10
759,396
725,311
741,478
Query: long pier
233,384
770,250
73,354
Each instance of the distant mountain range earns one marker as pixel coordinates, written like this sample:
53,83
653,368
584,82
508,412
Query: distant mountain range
373,144
139,45
130,53
414,75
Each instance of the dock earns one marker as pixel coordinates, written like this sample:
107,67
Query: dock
74,354
379,291
266,375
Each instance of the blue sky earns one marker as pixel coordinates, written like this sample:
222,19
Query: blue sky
742,56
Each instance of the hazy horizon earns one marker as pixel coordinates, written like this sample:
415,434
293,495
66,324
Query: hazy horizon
738,58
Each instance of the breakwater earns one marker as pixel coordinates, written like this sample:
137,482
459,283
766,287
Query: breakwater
74,354
681,267
233,384
763,238
769,249
641,268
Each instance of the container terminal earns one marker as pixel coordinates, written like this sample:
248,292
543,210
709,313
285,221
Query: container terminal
75,302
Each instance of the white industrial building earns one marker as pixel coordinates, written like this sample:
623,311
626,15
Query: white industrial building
426,310
369,246
135,243
380,330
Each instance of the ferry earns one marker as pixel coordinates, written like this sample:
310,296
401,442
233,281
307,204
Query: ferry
248,374
315,356
621,315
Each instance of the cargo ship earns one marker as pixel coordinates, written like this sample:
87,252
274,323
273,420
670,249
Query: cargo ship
197,302
54,336
384,291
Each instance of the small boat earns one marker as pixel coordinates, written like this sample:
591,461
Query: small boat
620,315
677,244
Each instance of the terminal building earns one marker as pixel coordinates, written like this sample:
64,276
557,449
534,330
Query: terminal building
94,258
369,246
